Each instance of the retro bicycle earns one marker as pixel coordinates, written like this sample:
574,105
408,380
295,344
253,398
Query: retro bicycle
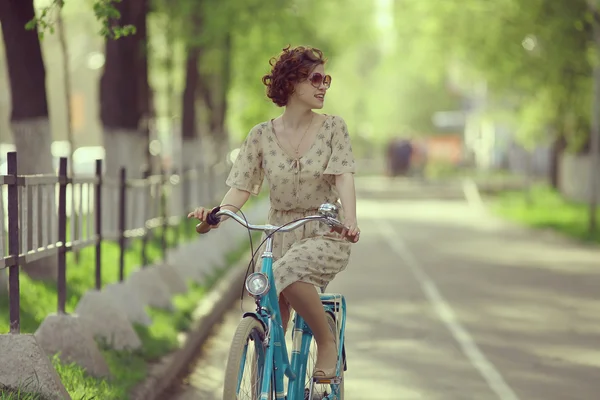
258,361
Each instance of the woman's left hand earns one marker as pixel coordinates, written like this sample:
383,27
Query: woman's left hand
351,229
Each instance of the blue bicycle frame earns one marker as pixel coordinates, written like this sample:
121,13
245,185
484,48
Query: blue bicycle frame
276,361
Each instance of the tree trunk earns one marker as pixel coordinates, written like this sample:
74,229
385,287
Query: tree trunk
189,127
192,156
124,104
124,89
558,148
595,134
222,136
29,115
213,89
188,106
3,281
225,80
145,96
60,27
208,117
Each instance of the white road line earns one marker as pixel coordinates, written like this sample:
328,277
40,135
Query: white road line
487,370
472,195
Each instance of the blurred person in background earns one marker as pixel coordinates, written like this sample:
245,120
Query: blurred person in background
307,159
419,158
399,155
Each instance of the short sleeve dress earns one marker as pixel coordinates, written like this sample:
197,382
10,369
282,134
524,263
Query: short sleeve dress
298,186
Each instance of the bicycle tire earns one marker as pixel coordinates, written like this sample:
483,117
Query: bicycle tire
333,327
247,328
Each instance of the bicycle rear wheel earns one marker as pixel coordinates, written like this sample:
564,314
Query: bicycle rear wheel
323,391
246,361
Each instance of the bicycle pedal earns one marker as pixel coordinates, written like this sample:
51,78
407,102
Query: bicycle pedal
336,380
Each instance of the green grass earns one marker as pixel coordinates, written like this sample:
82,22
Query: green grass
38,299
545,208
127,368
446,170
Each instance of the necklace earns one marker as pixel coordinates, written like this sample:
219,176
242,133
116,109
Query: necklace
302,138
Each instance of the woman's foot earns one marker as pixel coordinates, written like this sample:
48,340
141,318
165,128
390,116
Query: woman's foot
326,364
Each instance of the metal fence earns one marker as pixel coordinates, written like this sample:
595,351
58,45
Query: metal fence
41,210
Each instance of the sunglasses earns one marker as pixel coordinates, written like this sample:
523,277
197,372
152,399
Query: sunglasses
318,79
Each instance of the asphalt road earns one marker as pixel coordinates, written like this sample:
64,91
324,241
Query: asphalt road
447,302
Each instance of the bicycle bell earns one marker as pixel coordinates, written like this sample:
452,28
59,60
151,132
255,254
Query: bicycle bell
328,210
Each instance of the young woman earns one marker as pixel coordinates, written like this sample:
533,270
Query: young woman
307,160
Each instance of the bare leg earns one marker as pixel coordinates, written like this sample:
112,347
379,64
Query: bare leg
284,308
306,301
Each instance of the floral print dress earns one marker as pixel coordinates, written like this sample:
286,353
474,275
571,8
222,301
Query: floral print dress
298,186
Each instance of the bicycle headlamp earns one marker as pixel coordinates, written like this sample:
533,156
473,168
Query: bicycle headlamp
257,284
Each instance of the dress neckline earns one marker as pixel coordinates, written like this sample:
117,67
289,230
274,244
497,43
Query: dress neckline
314,142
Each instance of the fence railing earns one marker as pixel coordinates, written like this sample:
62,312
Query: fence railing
51,215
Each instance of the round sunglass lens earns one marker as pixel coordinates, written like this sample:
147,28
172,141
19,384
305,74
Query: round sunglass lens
316,79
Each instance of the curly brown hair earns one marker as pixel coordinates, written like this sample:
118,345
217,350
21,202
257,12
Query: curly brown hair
290,67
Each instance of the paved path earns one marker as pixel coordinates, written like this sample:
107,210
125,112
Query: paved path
448,303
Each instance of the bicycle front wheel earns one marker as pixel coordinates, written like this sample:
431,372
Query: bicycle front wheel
245,365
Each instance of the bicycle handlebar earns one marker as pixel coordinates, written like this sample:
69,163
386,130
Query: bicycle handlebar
214,217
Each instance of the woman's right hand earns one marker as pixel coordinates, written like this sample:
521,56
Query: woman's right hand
202,213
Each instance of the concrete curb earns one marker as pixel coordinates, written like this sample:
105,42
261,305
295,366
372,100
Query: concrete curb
208,313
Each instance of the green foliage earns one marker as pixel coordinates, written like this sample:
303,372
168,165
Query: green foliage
340,28
43,23
104,11
534,55
258,31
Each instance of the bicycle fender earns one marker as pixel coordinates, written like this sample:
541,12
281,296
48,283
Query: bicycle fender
252,314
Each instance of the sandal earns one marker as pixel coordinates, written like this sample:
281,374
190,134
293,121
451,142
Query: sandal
329,373
326,373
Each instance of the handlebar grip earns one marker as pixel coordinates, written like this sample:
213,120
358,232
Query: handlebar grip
352,239
202,227
211,219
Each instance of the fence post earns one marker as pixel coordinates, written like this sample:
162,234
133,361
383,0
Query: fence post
185,196
98,214
200,181
13,243
122,217
62,234
146,207
174,189
163,211
211,185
